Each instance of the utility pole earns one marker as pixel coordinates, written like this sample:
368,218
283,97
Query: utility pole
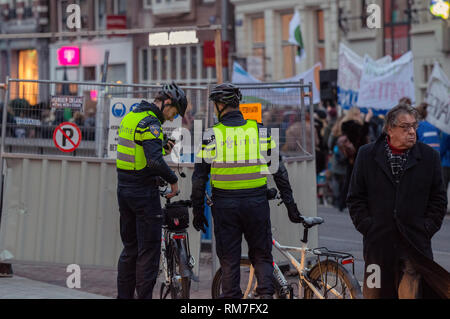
224,19
218,52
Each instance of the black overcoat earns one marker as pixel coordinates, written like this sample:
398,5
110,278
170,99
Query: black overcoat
404,214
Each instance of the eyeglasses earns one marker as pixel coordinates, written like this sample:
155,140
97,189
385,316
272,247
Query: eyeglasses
407,126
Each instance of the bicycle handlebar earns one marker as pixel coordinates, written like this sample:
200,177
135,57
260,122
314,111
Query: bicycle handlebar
167,191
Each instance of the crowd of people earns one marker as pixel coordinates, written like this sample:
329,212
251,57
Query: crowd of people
39,121
340,137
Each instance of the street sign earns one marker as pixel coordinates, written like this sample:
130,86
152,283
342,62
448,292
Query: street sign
67,137
69,56
251,111
72,102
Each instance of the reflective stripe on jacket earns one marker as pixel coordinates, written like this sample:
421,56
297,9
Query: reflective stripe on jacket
130,153
237,162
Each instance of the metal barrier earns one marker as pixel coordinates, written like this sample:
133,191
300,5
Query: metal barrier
37,107
287,107
62,207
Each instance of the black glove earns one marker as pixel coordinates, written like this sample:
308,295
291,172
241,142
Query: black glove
293,213
200,222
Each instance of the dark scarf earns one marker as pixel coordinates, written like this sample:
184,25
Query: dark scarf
396,160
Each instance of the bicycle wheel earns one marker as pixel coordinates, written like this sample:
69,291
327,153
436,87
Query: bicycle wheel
248,283
181,273
333,281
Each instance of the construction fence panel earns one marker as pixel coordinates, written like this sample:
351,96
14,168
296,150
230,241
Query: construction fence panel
36,108
62,207
65,211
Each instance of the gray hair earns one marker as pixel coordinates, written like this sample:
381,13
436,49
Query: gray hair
391,117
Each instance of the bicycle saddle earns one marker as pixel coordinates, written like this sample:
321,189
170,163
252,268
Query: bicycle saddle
312,221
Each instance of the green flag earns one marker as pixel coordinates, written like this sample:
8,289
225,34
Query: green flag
295,36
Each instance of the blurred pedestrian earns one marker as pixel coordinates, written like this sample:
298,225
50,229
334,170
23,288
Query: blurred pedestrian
47,121
78,119
355,133
339,165
295,145
10,120
445,158
397,201
89,124
427,133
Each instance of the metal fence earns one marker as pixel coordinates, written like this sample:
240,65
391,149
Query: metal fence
287,107
71,197
36,108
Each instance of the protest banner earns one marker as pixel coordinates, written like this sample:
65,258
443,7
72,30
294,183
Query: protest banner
438,98
278,95
349,75
383,85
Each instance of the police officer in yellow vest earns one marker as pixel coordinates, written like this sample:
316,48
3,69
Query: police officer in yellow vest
232,154
140,163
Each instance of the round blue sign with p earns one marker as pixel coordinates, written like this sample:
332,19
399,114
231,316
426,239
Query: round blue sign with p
118,109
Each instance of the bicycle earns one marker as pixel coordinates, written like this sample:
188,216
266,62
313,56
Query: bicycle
176,261
326,279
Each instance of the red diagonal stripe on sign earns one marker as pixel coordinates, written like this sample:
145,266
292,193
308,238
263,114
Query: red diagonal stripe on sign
66,137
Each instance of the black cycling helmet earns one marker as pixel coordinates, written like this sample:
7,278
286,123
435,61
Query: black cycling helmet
226,93
177,95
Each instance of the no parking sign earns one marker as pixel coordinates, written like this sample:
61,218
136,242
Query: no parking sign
67,137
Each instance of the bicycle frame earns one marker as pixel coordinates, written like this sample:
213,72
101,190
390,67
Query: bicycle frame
168,236
299,266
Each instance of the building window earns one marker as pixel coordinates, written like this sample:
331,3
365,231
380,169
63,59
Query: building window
173,63
120,7
89,73
144,55
183,64
28,70
117,73
84,11
28,9
164,63
101,14
364,5
258,42
397,24
289,50
193,62
147,4
320,38
320,27
427,70
67,74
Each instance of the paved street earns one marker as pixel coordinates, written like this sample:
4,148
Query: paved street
32,280
338,233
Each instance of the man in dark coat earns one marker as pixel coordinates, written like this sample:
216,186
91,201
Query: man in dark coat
397,201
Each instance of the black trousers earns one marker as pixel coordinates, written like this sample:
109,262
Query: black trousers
140,230
248,216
